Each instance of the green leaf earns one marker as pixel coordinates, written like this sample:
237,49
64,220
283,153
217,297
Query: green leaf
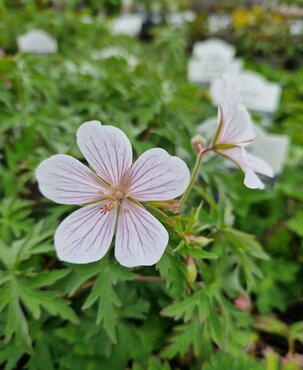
187,307
47,278
201,253
50,301
181,341
14,217
173,272
37,241
80,274
272,325
6,294
295,223
17,324
9,356
247,242
296,331
104,294
224,361
215,324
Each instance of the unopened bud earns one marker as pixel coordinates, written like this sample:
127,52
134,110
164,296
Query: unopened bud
243,303
201,241
175,208
198,143
191,270
169,205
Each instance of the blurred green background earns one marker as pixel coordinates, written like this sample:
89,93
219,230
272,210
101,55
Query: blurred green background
48,309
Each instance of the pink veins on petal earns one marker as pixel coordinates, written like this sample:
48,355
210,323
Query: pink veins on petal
110,197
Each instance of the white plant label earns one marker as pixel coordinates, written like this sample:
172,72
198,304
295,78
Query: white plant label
179,19
37,42
257,93
211,59
296,27
218,22
273,148
129,24
214,48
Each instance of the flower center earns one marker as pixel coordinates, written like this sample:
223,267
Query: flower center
112,200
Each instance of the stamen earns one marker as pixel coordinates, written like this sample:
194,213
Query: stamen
104,209
113,200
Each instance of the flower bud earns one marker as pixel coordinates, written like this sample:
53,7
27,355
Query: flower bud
198,143
175,207
243,303
191,270
202,241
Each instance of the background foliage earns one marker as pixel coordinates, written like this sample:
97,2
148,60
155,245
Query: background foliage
217,299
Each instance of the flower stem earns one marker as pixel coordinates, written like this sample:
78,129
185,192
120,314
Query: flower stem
291,345
192,179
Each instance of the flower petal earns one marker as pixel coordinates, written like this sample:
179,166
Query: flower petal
106,148
233,119
239,156
252,181
259,165
156,175
141,239
64,179
85,235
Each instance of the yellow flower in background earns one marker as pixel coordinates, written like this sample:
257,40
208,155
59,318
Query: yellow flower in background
277,19
241,18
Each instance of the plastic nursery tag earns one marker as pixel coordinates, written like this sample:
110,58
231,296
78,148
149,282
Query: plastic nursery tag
257,93
37,42
296,27
211,59
127,24
272,148
179,19
218,22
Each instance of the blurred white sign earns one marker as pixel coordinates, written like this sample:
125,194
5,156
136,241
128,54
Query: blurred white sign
129,24
218,22
37,42
272,148
214,48
296,27
179,19
205,71
257,93
211,59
